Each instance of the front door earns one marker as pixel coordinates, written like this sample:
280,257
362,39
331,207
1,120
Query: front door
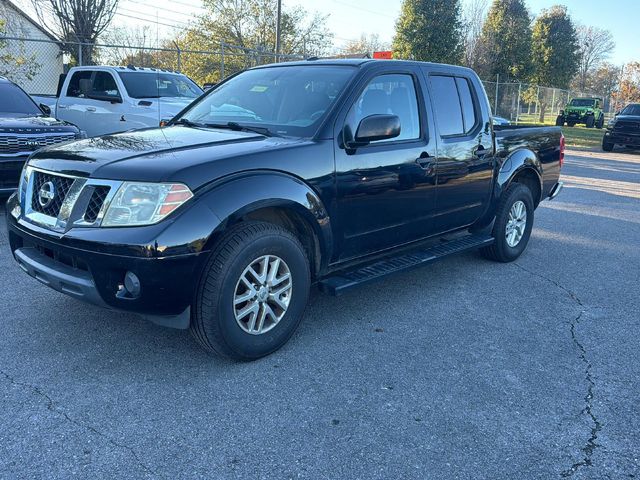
386,189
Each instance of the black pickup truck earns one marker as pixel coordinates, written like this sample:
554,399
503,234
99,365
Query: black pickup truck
24,128
327,172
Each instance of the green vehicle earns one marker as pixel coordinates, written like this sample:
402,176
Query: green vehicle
587,110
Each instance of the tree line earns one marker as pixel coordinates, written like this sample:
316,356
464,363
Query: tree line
501,40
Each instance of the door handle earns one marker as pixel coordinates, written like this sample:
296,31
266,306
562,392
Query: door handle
91,109
62,106
481,151
424,160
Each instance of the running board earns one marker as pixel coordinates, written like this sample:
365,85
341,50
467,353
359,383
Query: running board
340,282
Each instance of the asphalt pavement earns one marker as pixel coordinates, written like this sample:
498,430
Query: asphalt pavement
466,369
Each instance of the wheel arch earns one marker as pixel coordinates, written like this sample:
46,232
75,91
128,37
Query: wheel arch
276,198
522,166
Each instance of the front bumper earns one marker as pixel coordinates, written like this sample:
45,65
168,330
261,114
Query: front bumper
622,138
94,272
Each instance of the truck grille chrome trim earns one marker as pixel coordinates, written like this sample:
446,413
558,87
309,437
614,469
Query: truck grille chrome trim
25,144
57,201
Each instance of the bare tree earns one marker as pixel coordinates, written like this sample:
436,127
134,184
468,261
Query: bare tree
473,16
80,21
596,44
367,43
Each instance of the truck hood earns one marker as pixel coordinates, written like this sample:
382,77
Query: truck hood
34,125
194,156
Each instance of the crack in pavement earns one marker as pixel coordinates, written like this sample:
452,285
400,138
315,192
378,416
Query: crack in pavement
591,444
52,408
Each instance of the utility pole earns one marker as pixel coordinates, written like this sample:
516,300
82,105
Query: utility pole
279,19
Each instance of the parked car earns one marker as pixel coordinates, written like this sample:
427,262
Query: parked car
105,100
500,121
330,172
24,128
587,111
623,129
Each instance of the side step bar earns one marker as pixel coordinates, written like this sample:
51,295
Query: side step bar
340,282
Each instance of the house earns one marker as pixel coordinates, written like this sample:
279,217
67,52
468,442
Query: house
35,65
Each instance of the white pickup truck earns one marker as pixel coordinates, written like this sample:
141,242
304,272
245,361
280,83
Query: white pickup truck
102,100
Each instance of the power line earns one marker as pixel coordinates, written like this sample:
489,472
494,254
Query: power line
160,8
149,21
356,7
144,15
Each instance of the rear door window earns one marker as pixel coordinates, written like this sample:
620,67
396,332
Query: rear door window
454,104
446,103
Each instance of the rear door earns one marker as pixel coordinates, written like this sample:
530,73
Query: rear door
465,150
385,190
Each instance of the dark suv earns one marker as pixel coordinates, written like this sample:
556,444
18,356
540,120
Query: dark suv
623,129
24,128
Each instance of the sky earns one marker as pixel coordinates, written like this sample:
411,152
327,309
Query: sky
348,19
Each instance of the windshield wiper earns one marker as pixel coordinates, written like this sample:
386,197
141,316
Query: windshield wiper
242,128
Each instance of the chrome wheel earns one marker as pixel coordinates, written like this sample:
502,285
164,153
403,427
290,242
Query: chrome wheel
262,294
516,224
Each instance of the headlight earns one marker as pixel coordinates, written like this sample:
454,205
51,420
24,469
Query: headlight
144,203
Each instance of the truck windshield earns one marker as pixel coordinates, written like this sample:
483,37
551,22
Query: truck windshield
157,85
582,102
15,103
631,110
286,100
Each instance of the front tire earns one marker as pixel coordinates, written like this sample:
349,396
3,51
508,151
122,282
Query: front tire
600,122
607,146
559,121
513,224
590,121
253,292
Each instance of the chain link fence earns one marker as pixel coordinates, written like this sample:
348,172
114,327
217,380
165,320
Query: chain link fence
36,65
527,103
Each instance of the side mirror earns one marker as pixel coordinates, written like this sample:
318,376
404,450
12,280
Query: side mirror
374,128
46,109
617,113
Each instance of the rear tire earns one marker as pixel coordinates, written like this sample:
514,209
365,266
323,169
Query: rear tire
251,248
571,124
590,121
600,122
504,249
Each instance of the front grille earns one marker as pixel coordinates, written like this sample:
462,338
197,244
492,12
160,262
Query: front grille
95,203
61,186
626,126
12,144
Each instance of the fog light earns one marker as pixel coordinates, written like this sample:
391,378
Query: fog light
132,284
16,211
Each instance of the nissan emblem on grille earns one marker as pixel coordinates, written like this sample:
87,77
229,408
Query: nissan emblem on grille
46,194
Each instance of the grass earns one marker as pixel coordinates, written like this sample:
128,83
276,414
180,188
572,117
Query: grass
575,137
582,137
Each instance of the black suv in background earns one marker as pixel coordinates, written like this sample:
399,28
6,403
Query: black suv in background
24,128
624,129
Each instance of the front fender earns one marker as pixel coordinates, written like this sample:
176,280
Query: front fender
240,194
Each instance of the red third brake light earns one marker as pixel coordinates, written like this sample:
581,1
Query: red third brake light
562,145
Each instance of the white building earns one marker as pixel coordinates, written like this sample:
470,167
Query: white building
35,66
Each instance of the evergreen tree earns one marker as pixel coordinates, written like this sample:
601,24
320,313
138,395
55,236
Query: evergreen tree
554,49
505,42
429,30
